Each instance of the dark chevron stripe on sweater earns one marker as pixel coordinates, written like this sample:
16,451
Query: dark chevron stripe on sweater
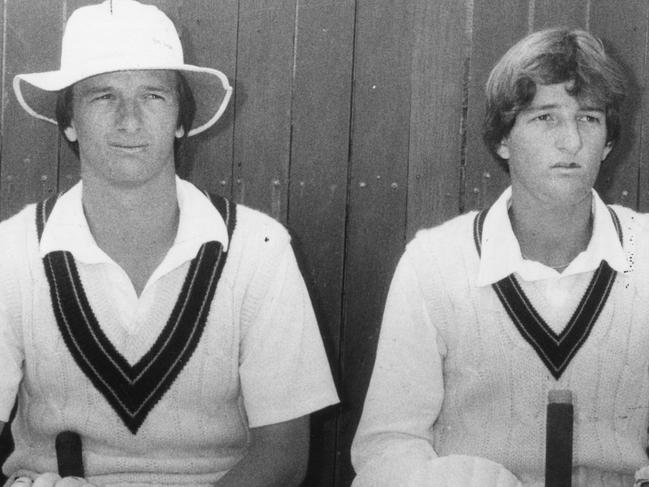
556,351
133,391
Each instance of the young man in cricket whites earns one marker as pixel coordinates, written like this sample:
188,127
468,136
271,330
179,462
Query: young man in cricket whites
170,329
546,289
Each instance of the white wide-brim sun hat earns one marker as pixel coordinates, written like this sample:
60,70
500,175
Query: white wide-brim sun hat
120,35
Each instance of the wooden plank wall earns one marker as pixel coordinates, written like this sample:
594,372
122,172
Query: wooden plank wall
354,122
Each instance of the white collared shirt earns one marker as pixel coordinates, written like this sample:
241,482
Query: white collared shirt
501,253
67,229
501,256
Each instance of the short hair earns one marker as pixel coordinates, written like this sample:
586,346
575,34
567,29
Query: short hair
186,112
545,57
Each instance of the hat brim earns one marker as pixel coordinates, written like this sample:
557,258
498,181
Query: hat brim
210,87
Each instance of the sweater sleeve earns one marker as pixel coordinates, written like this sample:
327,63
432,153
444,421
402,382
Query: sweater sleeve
11,351
10,364
393,445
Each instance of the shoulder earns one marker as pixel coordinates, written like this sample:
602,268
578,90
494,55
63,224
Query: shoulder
437,253
634,229
628,215
259,254
247,225
19,244
256,228
18,227
257,241
634,225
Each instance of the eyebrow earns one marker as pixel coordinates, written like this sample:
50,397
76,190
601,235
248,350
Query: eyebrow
552,106
157,88
94,90
592,108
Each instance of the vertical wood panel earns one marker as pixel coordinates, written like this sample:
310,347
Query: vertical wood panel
263,104
437,72
29,146
377,194
318,184
208,30
624,30
497,25
6,441
642,115
567,13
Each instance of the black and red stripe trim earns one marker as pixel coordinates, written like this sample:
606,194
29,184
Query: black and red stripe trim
556,351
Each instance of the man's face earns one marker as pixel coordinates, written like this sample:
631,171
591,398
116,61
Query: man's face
556,147
125,123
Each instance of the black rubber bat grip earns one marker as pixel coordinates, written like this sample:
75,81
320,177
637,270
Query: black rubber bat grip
68,454
558,452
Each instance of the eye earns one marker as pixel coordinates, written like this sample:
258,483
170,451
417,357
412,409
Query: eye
596,119
153,96
544,117
103,97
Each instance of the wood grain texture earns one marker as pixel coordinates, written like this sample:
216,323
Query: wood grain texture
318,185
640,138
624,32
262,128
208,31
553,13
377,194
497,25
29,170
439,57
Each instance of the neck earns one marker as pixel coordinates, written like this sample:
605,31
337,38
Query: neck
552,234
135,226
139,213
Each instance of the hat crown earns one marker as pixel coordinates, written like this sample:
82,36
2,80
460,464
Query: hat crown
123,33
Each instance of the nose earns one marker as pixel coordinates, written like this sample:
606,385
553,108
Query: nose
129,115
569,137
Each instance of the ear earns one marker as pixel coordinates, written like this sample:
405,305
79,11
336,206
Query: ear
180,131
503,150
606,150
71,133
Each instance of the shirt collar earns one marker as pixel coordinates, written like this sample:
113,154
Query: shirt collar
501,253
199,222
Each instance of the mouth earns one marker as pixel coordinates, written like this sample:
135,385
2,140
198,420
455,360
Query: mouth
129,147
566,165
